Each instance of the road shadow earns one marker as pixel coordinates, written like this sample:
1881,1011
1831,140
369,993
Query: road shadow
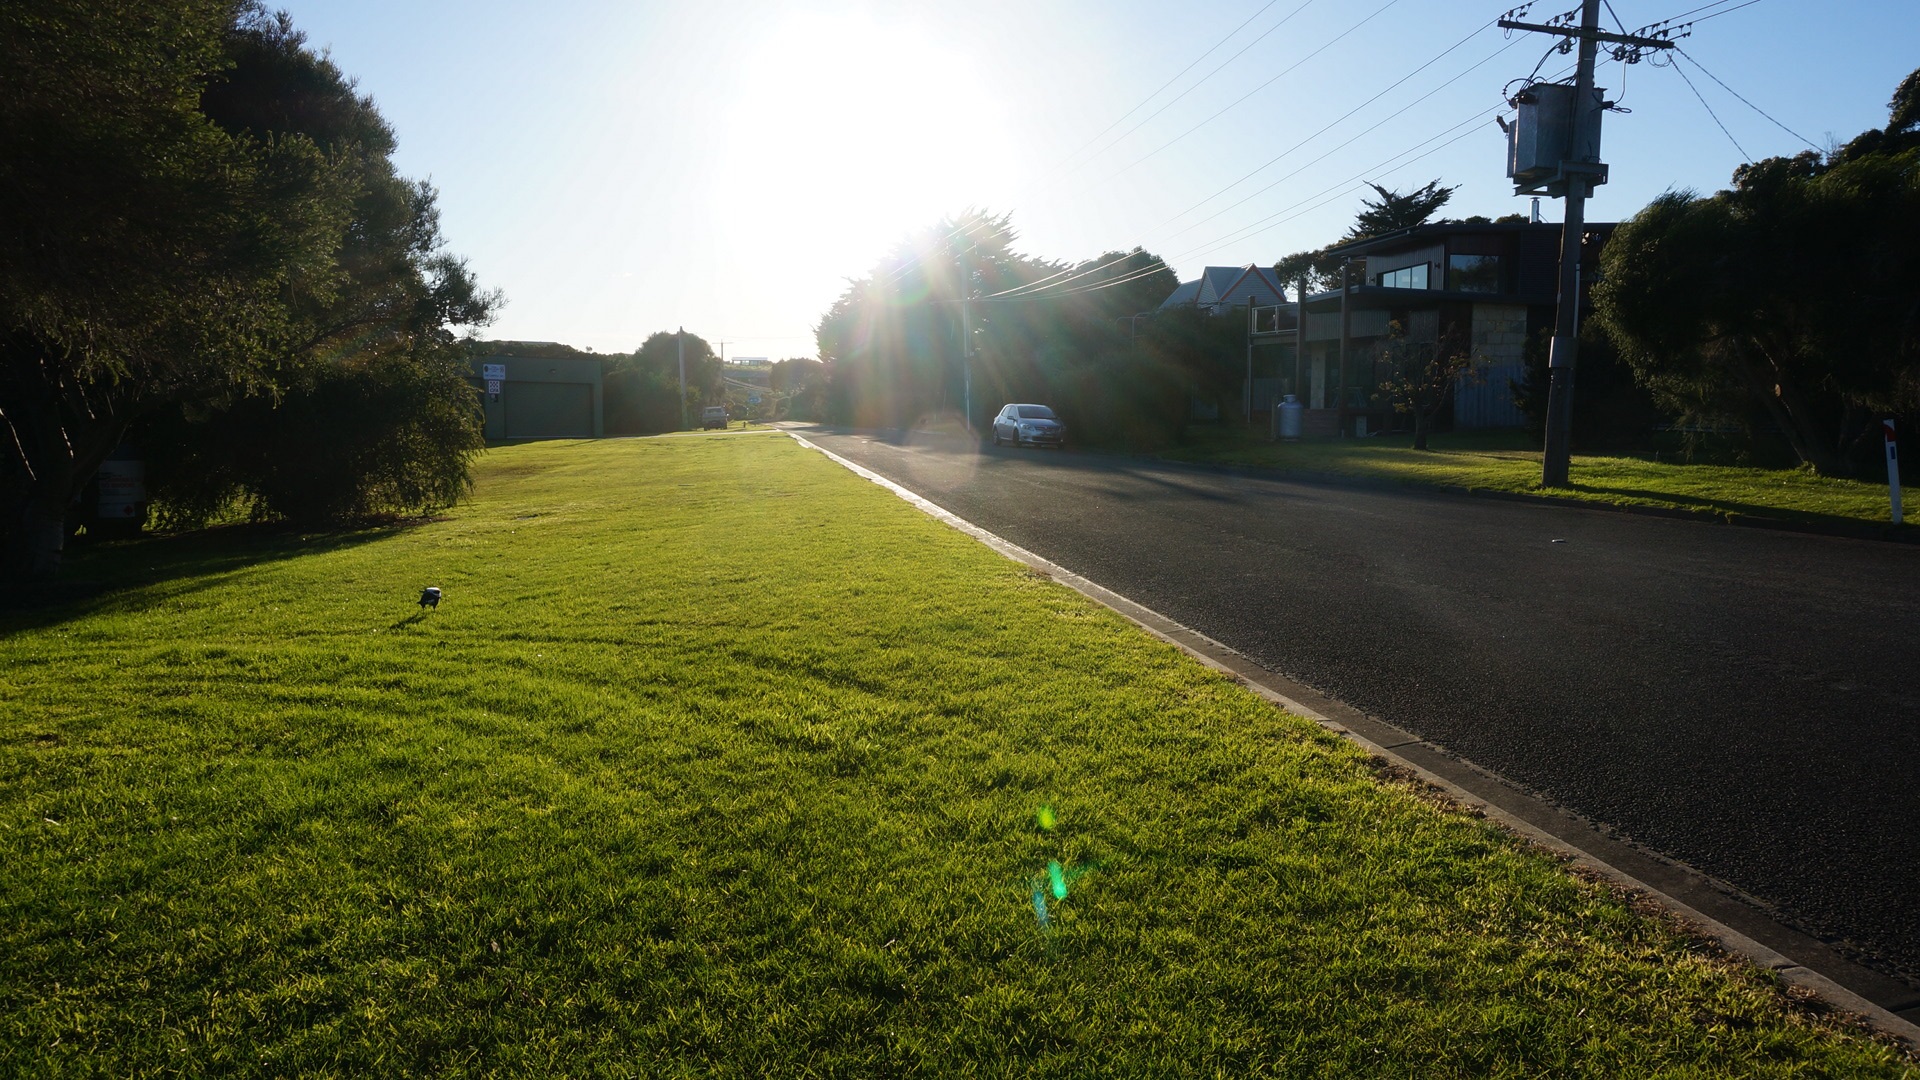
1724,507
975,454
136,574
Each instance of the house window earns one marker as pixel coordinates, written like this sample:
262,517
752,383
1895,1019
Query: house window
1407,277
1473,273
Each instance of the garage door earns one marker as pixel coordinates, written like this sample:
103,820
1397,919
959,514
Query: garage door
537,410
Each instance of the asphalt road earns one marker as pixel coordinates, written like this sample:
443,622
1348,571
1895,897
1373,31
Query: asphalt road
1739,699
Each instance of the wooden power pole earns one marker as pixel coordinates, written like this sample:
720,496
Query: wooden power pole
1579,170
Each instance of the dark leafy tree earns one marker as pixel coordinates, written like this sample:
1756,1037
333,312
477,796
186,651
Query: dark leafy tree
1795,289
146,255
368,410
893,341
1391,211
894,338
162,248
385,433
1117,284
643,389
799,386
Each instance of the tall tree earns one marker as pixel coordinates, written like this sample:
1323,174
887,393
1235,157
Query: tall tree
1796,288
1391,211
644,394
895,338
160,246
145,255
373,364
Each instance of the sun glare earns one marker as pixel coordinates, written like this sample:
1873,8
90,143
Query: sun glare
845,133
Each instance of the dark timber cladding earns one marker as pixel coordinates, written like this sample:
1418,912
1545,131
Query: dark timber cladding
536,397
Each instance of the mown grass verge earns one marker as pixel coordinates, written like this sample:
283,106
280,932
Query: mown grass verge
719,761
1501,462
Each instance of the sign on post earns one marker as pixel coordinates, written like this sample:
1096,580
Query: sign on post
1893,469
494,374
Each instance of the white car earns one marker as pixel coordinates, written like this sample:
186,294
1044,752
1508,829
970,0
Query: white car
1029,425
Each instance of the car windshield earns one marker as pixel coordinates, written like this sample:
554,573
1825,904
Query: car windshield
1035,412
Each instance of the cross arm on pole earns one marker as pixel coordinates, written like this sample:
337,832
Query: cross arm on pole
1596,35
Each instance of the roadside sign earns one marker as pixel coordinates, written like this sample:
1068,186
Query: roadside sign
493,373
493,389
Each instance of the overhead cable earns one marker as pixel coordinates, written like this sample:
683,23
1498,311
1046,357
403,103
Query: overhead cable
1197,83
1488,59
1743,101
1243,97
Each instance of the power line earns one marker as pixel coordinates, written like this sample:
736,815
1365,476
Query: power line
1264,35
1743,100
1334,191
1236,102
1328,127
1176,78
1070,275
1726,11
1676,18
1050,286
1324,196
1269,222
1032,286
1716,118
1328,195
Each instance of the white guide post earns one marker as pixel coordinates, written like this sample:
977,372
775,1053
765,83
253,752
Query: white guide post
1893,469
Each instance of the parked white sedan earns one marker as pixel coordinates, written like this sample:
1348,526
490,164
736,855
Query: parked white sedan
1029,425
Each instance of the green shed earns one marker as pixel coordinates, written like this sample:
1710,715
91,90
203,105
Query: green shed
539,397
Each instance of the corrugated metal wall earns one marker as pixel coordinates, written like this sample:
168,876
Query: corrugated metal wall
1488,403
1499,344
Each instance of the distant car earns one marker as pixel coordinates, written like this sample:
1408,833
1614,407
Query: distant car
713,416
1029,425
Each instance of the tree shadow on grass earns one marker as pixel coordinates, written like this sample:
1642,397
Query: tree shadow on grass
1726,507
134,574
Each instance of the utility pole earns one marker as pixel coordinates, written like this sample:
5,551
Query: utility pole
964,266
1249,393
1299,334
680,350
1579,169
966,352
1346,331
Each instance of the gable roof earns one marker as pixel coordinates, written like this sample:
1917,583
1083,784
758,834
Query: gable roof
1221,287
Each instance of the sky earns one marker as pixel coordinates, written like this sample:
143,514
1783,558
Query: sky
617,169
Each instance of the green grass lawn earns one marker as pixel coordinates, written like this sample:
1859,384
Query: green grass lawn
719,761
1506,462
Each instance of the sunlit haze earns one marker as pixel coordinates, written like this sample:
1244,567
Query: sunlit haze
618,169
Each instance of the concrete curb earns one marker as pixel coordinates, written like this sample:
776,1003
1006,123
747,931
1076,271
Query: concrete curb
1714,910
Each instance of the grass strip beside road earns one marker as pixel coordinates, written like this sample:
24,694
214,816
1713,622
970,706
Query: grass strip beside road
717,760
1499,462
